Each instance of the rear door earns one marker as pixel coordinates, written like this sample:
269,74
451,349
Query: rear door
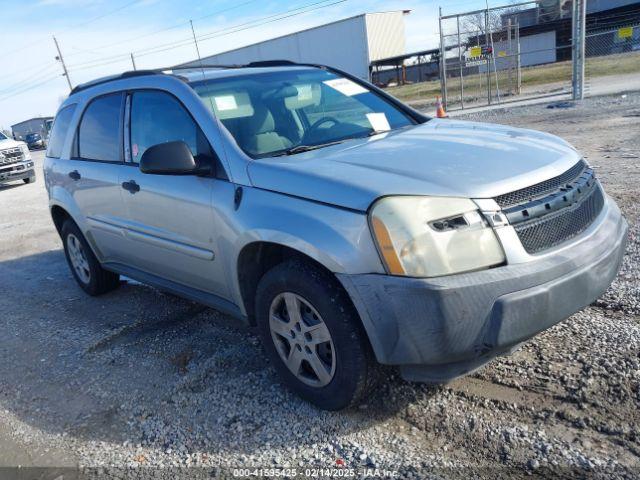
94,171
173,221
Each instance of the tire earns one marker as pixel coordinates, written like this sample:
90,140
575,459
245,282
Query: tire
29,179
86,269
347,356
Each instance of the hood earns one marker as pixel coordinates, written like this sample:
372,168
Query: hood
10,143
440,158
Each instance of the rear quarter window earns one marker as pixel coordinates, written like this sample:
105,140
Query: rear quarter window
59,131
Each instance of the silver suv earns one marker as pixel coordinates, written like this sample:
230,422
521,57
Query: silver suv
351,230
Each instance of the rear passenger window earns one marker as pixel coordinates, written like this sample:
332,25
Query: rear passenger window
157,117
59,131
99,133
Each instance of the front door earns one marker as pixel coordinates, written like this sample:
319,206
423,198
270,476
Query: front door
173,225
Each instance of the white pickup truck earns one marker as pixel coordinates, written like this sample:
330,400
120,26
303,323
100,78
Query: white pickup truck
15,161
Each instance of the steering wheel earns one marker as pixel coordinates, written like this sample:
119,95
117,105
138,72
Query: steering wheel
316,125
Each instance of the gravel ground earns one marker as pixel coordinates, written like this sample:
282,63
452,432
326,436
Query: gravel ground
139,384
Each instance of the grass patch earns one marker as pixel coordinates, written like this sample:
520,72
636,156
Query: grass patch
531,76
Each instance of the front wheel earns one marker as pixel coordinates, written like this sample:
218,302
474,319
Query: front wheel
29,179
313,335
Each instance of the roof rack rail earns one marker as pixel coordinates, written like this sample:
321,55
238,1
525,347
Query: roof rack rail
204,65
272,63
100,81
256,64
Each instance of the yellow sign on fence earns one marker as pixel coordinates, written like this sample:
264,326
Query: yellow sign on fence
475,52
625,32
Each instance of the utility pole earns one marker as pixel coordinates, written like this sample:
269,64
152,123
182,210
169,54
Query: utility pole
133,61
578,47
486,42
64,67
460,64
443,63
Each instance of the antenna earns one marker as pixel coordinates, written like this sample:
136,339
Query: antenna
195,41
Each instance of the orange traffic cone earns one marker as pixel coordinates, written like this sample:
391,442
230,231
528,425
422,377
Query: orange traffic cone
440,113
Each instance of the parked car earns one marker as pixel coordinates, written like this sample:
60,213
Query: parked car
34,141
15,161
351,230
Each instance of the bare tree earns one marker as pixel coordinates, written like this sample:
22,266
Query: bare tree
475,26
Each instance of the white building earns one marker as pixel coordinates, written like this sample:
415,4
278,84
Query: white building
350,44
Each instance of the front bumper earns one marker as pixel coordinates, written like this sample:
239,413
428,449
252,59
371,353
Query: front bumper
440,328
17,171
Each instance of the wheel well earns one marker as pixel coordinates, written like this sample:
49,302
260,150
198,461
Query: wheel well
59,216
258,258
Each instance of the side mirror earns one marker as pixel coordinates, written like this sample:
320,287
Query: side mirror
171,158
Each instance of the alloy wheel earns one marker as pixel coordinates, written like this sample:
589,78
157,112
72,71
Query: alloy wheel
302,339
78,258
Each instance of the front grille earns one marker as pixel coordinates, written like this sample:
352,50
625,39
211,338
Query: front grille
553,229
11,155
541,189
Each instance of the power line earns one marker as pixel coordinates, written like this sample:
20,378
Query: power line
155,32
99,17
187,40
218,33
37,76
214,34
224,32
207,36
73,27
24,90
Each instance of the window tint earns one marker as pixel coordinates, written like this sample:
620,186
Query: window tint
59,131
157,117
99,133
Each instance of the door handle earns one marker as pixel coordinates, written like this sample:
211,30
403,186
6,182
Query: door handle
75,175
131,186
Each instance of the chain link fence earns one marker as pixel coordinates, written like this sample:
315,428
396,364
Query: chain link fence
506,53
612,52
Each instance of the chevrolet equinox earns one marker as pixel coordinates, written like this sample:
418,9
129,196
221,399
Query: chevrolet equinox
348,228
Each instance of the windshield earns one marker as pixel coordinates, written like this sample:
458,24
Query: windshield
33,136
2,136
290,111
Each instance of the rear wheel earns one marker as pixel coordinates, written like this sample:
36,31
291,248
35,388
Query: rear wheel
84,265
313,335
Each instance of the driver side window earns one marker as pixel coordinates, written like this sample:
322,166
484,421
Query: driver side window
157,117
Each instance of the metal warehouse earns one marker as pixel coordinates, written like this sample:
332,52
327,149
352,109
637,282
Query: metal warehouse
350,44
39,125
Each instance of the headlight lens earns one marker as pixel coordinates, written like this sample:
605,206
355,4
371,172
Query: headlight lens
25,152
433,236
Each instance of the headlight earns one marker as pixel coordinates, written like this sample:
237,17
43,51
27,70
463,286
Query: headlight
433,236
25,152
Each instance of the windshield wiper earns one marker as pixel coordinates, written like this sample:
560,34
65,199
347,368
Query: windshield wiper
306,148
